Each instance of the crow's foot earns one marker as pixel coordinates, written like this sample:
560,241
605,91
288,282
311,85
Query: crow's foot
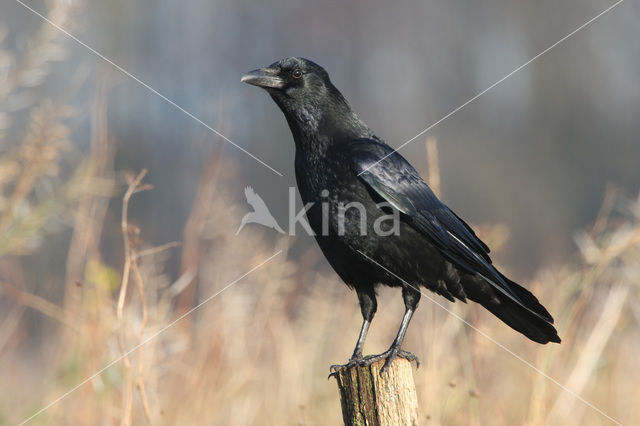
356,360
389,355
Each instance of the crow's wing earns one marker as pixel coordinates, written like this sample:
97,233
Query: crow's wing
393,179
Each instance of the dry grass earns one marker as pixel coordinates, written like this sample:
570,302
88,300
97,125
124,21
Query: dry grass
259,353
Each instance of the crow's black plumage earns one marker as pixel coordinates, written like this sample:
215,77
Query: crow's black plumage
340,160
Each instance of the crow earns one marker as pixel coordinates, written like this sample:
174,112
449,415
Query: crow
353,182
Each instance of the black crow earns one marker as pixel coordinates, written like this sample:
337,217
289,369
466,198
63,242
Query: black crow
339,160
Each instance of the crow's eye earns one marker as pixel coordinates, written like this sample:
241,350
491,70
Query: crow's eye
296,73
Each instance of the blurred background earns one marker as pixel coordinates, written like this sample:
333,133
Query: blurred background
96,255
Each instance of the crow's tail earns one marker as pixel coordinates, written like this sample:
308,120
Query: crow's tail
529,318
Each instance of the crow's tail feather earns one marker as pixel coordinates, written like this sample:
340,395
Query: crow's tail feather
534,321
520,319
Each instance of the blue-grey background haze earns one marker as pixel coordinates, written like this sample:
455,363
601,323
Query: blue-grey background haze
535,153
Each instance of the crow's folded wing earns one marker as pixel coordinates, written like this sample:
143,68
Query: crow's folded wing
393,179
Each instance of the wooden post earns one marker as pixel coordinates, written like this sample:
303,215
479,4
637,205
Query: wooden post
372,398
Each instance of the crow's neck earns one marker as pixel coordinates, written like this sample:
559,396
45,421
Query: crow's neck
318,124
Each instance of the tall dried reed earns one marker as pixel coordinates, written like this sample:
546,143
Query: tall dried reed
259,352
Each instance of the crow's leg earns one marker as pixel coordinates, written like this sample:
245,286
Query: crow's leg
368,307
411,298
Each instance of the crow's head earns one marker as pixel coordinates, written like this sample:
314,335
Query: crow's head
290,77
310,102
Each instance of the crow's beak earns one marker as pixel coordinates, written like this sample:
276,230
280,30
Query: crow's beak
263,77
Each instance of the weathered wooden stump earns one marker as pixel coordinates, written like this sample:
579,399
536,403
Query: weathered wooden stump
372,398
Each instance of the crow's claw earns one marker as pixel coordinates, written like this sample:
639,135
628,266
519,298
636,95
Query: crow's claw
391,354
388,356
354,361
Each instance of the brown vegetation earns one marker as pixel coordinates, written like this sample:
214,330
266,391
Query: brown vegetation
259,352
